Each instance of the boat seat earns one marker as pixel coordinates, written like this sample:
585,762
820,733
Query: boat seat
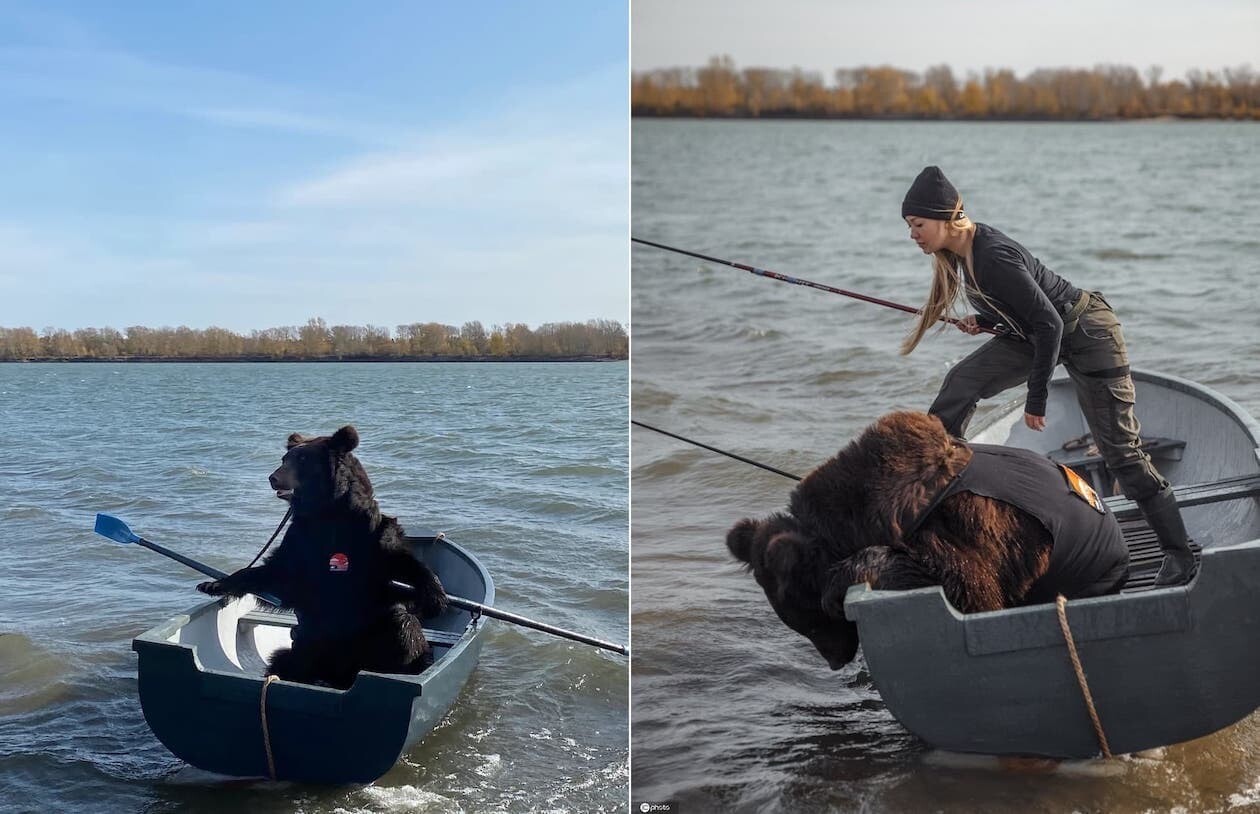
1144,553
1082,457
442,638
269,618
1194,495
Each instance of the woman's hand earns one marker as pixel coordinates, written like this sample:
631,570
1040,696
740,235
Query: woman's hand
1034,422
968,325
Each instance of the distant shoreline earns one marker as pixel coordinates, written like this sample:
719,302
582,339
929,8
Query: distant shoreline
790,117
311,360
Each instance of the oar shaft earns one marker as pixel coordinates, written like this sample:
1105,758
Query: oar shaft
199,566
494,613
774,275
191,563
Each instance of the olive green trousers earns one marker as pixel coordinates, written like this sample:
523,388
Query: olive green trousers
1098,364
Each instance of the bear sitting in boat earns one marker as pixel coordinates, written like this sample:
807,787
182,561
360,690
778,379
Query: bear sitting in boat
333,569
907,506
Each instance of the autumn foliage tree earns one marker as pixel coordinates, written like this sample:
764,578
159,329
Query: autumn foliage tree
601,339
887,92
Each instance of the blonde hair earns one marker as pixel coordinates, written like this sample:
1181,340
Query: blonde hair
946,284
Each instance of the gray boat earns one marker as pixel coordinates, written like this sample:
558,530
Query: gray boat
1162,666
202,688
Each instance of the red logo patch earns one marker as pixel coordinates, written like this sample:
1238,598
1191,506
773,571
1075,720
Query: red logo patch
338,563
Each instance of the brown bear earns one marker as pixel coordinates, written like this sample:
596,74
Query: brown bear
335,568
906,505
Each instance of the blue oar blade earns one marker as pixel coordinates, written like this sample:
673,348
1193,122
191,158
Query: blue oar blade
109,526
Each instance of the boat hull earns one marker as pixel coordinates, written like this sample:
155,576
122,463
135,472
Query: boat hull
1162,666
201,689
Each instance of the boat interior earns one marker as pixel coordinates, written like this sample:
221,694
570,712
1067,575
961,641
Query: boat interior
1202,443
240,635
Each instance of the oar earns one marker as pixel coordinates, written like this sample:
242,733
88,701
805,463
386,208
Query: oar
109,526
477,607
115,529
783,278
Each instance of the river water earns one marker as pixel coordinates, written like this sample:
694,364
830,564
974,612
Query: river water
730,709
523,464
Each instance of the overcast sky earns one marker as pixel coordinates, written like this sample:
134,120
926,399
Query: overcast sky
968,35
251,165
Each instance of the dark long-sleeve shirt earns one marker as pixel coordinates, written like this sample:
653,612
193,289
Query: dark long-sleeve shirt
1024,295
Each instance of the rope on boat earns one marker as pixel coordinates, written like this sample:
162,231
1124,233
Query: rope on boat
271,760
1061,603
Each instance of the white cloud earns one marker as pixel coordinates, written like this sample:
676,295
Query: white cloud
115,79
519,214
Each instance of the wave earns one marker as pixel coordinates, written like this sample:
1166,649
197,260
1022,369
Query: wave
30,676
580,470
1125,254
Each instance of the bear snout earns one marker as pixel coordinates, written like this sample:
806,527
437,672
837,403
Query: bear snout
834,662
282,481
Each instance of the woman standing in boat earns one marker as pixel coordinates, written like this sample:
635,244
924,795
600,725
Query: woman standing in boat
1049,320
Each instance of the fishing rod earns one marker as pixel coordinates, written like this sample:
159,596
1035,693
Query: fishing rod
774,275
715,449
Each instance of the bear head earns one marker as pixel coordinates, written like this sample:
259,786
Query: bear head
800,577
316,473
845,525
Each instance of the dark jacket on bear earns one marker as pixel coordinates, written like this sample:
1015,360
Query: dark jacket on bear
1089,557
336,575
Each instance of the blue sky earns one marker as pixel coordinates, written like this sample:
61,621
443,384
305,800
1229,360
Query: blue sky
250,165
967,35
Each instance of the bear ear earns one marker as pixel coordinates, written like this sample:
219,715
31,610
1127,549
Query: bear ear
345,439
295,439
740,538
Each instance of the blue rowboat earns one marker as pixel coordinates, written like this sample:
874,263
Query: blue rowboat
1161,666
204,695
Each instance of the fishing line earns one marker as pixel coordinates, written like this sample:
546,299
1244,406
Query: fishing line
715,449
774,275
287,515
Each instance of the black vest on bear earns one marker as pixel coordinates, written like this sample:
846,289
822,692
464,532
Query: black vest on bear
340,573
1089,557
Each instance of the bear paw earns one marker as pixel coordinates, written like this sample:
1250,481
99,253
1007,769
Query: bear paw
213,588
433,605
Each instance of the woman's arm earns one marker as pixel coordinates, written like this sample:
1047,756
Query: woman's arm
1003,277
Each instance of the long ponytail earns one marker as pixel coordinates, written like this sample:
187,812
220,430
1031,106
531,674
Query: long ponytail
945,283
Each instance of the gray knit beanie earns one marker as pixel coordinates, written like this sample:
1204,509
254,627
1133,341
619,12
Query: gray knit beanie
931,196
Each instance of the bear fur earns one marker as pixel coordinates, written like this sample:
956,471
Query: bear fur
844,525
333,570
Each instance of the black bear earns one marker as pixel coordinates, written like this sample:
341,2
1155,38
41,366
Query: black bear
907,506
333,570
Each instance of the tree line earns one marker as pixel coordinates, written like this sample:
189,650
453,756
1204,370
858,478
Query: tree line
316,340
885,92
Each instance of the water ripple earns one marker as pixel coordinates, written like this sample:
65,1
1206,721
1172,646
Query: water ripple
732,710
526,465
